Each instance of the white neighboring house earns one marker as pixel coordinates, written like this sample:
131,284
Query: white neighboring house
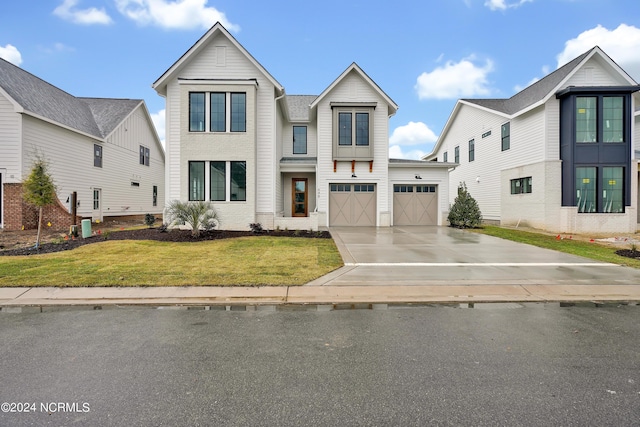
105,150
558,156
234,137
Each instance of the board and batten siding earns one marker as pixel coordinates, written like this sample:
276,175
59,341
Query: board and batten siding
10,131
353,89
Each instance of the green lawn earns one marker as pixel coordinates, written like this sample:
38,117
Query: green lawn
592,250
246,261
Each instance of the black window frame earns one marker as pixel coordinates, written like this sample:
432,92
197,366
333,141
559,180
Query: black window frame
201,114
212,166
505,136
472,150
522,185
238,118
300,149
218,113
97,155
145,155
192,196
239,184
456,154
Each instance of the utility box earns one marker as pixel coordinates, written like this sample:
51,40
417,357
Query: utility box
86,228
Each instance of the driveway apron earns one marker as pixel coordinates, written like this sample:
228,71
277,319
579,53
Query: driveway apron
422,255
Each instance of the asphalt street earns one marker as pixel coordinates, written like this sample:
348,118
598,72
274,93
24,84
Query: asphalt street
494,364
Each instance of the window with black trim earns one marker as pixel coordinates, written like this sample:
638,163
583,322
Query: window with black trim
196,181
227,111
97,155
218,181
521,185
445,157
456,154
599,118
353,132
506,136
218,102
299,140
238,181
196,111
238,112
600,189
155,195
472,150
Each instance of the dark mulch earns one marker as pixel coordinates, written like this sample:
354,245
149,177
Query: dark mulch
158,235
628,253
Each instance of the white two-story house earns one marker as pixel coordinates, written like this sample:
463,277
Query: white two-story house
560,155
106,151
235,138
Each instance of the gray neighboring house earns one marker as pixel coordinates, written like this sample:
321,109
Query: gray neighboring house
561,155
106,150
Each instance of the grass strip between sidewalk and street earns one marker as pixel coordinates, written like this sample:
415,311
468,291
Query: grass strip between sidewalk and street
587,249
244,261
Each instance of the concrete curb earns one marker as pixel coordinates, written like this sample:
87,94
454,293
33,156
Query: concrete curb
315,295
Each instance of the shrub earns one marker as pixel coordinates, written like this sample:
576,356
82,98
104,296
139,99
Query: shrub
39,189
198,215
149,220
465,212
256,227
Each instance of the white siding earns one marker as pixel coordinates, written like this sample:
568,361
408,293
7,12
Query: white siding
594,73
70,157
10,128
353,88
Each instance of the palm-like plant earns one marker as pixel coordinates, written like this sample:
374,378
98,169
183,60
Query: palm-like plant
198,215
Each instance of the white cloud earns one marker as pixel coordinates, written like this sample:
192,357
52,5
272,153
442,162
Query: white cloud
159,122
68,11
503,5
455,80
178,14
11,54
621,44
413,133
395,152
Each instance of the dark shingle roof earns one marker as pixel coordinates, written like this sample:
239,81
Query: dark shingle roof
533,93
298,106
96,117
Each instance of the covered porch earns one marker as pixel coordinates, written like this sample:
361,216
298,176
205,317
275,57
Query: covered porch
298,207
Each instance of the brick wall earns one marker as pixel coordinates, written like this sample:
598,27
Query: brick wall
18,214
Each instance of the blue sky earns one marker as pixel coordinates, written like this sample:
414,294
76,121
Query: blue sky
424,54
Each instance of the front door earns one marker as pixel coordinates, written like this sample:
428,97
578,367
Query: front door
299,197
97,204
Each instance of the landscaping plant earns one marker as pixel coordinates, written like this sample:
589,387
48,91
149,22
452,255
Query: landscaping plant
39,189
198,215
465,212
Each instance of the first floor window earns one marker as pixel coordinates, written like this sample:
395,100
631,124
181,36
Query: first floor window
299,140
612,189
97,155
218,181
600,189
196,181
238,181
155,195
196,111
521,185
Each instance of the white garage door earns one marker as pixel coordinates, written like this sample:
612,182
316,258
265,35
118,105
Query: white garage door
352,205
415,204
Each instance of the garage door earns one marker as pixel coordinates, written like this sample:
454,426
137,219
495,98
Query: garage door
352,205
415,204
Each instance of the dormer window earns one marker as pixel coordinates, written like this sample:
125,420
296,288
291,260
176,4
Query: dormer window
353,132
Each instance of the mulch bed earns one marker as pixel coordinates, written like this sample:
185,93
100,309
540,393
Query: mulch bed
158,235
628,253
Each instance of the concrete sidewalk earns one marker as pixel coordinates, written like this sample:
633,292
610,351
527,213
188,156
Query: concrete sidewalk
314,295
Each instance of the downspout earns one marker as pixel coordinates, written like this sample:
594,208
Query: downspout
275,154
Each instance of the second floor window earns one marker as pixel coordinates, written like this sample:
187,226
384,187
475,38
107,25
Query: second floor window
472,150
299,140
217,111
506,136
97,155
144,155
456,154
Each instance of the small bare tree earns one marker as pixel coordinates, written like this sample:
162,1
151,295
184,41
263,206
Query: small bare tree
39,189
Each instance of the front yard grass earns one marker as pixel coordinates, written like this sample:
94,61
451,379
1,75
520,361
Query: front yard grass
587,249
244,261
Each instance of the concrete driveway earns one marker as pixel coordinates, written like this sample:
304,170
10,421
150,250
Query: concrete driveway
446,256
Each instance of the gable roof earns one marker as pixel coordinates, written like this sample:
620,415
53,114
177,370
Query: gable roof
91,116
218,29
533,95
355,68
